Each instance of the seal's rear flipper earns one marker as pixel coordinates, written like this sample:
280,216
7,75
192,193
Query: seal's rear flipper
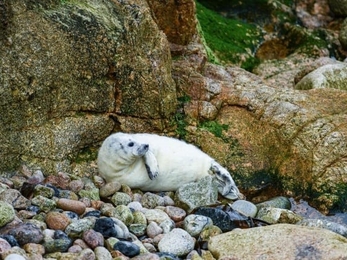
151,165
227,186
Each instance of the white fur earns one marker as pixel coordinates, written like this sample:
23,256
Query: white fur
170,163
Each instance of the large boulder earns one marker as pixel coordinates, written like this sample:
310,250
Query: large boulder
66,66
281,241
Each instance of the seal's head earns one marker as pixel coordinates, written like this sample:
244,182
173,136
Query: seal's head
124,148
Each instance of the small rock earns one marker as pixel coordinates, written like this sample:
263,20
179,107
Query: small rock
150,247
277,202
76,185
57,245
167,225
43,203
81,243
86,254
147,256
93,238
150,200
156,215
15,198
71,215
138,227
177,242
167,256
175,213
60,180
4,245
57,220
168,201
153,229
7,213
135,206
68,194
194,224
127,248
72,205
109,189
44,191
195,194
92,213
209,232
120,198
276,215
77,227
37,177
26,233
90,191
101,253
33,248
219,218
245,207
14,257
75,249
124,214
10,239
108,228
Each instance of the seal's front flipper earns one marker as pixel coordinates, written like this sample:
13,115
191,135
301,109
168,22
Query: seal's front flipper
151,165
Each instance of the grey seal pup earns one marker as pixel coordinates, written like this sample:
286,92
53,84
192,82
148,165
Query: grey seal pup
158,163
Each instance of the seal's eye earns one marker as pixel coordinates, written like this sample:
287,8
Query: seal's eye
131,144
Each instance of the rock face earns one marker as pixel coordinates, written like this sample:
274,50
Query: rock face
65,66
281,241
73,72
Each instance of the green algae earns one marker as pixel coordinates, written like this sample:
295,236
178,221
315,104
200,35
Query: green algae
231,40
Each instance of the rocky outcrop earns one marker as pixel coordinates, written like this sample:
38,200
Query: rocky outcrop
66,66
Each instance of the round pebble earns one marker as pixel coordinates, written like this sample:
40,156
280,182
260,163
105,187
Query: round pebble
14,257
246,208
109,189
150,200
102,253
194,224
76,185
153,229
4,245
107,227
7,213
177,242
71,205
26,233
57,221
33,248
156,215
77,227
175,213
93,238
127,248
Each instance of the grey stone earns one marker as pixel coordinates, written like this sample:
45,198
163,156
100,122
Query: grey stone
245,207
195,194
177,242
276,215
194,224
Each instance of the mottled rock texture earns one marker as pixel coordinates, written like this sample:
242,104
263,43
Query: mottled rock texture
282,241
65,66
